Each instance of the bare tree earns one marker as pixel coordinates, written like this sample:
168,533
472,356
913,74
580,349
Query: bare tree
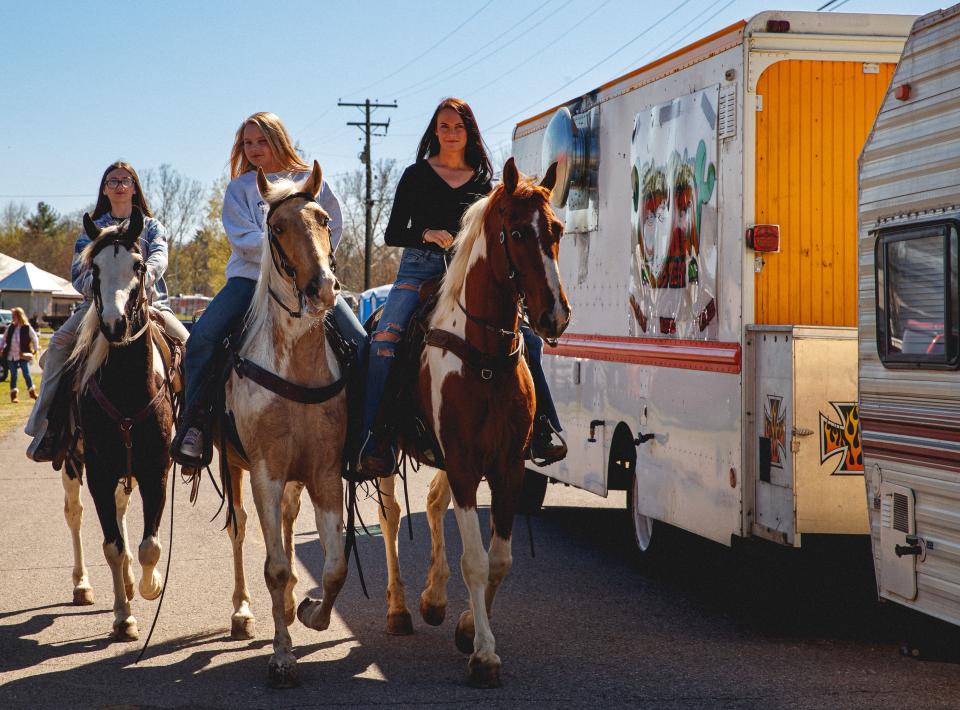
178,202
351,188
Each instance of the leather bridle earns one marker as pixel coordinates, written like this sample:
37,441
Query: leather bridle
282,263
138,307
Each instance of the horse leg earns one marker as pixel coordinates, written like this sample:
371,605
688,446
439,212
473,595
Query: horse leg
505,493
122,501
327,497
73,512
398,615
153,494
290,509
267,495
484,663
241,623
433,600
105,497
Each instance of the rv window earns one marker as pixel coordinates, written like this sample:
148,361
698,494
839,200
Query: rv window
917,301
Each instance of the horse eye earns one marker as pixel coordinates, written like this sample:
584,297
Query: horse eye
276,229
516,234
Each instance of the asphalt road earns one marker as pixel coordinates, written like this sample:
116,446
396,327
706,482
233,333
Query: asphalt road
584,623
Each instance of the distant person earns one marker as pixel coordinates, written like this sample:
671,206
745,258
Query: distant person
119,191
261,141
19,346
452,171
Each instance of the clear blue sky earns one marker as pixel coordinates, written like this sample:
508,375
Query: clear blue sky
86,83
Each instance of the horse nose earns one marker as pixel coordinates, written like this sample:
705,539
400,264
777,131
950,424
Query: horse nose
323,289
118,328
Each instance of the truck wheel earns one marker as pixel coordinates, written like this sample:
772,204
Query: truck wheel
642,525
532,494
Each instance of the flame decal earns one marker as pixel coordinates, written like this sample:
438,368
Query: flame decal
842,439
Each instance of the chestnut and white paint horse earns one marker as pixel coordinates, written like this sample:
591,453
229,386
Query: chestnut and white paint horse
125,407
506,252
289,445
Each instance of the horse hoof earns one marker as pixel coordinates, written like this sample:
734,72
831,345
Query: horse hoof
463,636
282,676
241,628
315,621
82,596
484,674
151,592
126,630
433,615
399,623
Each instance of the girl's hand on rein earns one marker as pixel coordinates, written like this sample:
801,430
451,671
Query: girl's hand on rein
441,237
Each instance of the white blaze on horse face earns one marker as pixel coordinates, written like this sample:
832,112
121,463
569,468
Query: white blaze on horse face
551,272
118,280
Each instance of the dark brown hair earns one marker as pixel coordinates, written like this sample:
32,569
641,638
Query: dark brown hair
476,152
139,199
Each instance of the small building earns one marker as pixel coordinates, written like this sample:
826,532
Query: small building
42,295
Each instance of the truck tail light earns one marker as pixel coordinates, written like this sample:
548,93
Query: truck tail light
764,238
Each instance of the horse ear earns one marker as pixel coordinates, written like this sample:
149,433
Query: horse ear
511,176
135,226
92,230
315,181
550,178
263,185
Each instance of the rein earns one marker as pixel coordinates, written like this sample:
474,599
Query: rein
126,424
281,261
487,364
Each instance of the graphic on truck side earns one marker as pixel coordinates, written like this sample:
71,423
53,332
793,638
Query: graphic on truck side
674,217
842,439
775,429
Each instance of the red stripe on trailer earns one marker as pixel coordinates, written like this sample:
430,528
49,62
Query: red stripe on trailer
708,356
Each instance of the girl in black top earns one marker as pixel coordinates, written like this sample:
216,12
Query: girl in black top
451,173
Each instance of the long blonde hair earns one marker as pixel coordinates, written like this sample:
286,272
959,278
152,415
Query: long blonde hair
19,317
277,138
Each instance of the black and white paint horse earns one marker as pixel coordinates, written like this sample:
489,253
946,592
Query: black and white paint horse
124,408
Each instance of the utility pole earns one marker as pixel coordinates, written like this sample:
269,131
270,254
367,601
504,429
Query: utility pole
368,127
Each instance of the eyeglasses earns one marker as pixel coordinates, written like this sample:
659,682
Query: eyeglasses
114,183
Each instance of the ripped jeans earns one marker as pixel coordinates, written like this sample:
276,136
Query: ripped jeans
417,266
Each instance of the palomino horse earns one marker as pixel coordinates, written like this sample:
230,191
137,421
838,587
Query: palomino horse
125,409
477,394
290,410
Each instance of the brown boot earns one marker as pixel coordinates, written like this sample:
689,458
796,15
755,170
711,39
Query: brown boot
33,392
13,396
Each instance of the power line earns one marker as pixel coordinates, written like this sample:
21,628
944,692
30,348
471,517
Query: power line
444,37
517,65
838,5
584,73
826,5
423,84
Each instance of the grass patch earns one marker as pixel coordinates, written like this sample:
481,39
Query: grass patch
14,416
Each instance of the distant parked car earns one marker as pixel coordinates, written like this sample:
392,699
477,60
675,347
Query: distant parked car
5,316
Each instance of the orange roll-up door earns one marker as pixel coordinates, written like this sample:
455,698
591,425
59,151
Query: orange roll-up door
813,122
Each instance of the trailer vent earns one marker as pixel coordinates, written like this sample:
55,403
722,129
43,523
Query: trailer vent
901,513
727,114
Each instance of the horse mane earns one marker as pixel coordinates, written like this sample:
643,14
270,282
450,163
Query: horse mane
258,314
471,231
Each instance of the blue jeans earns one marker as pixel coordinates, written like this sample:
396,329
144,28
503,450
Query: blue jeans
17,366
417,266
223,315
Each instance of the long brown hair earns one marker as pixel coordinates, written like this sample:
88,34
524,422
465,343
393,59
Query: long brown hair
277,138
476,152
19,315
139,199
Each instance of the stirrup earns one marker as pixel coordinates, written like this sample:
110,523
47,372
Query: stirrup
557,452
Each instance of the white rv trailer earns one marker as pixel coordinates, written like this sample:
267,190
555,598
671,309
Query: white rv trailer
710,207
910,323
